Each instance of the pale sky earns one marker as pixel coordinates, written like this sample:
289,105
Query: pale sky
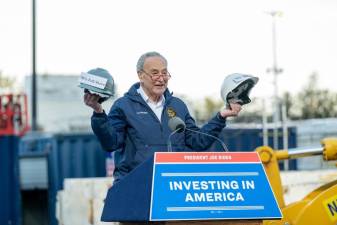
203,40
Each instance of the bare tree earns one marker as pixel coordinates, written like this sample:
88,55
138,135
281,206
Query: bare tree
315,102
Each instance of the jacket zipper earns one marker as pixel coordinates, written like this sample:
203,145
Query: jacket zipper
141,101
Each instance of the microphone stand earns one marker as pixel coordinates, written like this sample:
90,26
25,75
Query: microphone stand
218,139
169,143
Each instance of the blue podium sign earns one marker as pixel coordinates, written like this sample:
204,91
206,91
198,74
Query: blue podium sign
210,186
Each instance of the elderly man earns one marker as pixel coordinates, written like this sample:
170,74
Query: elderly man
137,124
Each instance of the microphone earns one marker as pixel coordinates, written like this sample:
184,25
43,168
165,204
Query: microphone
177,125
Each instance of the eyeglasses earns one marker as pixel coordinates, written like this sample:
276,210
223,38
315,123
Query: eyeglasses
155,75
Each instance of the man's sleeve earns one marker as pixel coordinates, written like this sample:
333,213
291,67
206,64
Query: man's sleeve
201,142
109,129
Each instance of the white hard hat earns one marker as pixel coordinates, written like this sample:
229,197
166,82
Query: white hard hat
236,87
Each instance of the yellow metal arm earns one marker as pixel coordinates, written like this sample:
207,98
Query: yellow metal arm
330,148
307,211
269,160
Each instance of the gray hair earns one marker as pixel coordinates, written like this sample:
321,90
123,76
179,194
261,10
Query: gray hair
142,58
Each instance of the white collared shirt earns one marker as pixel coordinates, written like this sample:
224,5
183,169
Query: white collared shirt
158,107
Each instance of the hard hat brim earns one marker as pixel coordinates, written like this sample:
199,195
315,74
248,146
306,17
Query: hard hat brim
95,89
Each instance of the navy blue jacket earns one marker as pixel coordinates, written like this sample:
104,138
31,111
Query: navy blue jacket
134,132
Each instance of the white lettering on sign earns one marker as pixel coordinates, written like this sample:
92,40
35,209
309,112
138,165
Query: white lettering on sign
206,157
204,185
213,197
248,184
212,190
95,81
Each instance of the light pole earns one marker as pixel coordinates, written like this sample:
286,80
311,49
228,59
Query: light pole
276,71
34,83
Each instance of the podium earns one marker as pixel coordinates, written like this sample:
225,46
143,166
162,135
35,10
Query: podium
194,188
223,222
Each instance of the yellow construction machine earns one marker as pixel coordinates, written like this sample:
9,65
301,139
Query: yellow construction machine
317,208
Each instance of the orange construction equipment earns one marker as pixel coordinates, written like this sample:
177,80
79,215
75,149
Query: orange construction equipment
13,114
320,206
